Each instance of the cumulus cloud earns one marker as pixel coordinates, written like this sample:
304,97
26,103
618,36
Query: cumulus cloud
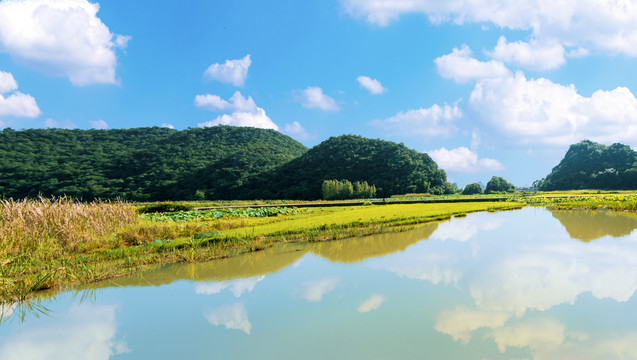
372,85
541,111
257,119
7,82
244,111
296,130
233,317
605,25
427,122
61,38
85,332
463,160
215,103
167,125
99,124
461,67
531,55
313,291
232,72
372,303
16,104
313,98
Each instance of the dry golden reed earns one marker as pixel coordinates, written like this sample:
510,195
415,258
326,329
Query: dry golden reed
32,226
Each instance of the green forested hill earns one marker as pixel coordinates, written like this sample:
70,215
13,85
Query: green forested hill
138,164
392,168
589,165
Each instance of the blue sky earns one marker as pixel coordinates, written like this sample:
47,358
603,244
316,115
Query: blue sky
485,87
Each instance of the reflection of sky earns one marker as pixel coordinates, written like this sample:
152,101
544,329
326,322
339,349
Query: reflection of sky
372,303
232,317
517,270
237,287
314,290
85,332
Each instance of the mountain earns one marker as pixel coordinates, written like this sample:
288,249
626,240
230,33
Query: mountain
142,164
392,168
589,165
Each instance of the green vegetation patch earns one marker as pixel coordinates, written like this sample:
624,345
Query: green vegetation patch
204,215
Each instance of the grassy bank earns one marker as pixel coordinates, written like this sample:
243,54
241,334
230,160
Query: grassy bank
57,243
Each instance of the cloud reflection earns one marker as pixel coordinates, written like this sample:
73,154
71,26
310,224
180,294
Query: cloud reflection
85,332
372,303
313,291
463,230
237,287
232,317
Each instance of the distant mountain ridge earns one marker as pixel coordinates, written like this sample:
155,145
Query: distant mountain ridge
221,162
589,165
142,164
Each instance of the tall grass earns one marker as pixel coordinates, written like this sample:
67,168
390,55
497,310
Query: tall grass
45,226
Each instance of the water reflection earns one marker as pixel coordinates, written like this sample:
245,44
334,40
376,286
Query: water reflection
358,249
85,332
591,225
232,317
491,285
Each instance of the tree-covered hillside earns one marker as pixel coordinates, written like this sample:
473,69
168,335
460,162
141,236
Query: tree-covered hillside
392,168
138,164
589,165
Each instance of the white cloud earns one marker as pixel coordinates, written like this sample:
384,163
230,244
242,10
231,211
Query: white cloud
531,55
461,67
19,105
605,25
244,111
232,317
463,160
237,287
231,72
372,85
85,332
61,38
215,103
257,119
540,111
296,130
7,82
99,124
66,124
167,125
372,303
313,98
427,122
313,291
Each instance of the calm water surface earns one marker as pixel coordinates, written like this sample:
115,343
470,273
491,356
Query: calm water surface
527,284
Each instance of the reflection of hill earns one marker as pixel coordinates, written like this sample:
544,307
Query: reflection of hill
360,248
276,258
587,225
242,266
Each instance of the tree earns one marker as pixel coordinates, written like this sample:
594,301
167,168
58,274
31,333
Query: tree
498,184
472,189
